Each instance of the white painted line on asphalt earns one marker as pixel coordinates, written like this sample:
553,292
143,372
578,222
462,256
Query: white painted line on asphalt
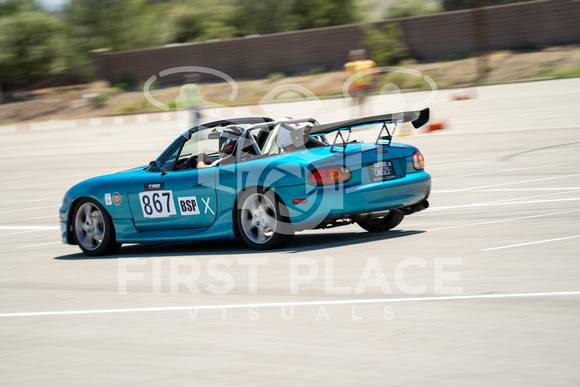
21,232
40,178
501,204
502,220
18,176
504,170
26,229
510,200
38,245
27,219
530,189
503,184
35,228
455,165
296,303
530,197
34,186
8,201
531,243
29,209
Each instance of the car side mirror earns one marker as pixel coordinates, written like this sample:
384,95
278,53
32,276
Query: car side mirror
154,165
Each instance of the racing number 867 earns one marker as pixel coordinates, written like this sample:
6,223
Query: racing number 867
157,204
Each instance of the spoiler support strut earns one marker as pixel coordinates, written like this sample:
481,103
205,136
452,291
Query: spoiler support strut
345,142
388,137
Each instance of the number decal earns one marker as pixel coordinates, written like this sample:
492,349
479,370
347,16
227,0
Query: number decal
146,204
188,205
168,196
157,204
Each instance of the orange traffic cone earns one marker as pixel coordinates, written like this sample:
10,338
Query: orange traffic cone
459,97
437,125
464,94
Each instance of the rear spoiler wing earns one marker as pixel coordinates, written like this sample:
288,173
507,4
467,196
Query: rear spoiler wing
417,118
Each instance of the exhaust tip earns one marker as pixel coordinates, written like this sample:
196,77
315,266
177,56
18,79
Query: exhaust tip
414,208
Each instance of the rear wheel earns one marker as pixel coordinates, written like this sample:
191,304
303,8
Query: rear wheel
93,229
262,220
384,223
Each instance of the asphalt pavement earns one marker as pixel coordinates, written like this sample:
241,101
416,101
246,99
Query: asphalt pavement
482,288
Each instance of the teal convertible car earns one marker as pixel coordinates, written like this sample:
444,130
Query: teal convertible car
277,178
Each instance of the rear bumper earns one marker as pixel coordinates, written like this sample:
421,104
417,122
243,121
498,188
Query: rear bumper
336,201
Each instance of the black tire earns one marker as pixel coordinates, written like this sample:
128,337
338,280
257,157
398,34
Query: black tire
382,224
262,220
93,229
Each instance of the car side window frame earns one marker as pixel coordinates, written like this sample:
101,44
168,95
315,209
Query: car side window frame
165,158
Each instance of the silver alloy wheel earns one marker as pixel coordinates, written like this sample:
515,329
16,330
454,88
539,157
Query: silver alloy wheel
258,218
89,226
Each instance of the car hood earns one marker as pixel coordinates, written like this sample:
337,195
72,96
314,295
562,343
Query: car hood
118,181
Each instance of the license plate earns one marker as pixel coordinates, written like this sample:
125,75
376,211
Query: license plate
382,171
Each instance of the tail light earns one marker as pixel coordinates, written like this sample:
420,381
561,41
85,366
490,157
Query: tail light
418,160
329,175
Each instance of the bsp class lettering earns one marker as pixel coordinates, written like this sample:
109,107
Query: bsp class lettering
188,205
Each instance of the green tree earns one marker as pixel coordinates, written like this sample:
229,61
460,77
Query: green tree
31,46
113,24
323,13
408,8
386,45
271,16
185,24
36,43
200,20
263,16
10,7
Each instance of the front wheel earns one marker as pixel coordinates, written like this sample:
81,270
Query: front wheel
93,229
384,223
262,220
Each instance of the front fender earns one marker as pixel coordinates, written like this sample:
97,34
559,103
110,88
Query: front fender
110,191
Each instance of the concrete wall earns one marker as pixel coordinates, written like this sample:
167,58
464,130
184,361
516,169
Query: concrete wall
555,22
548,22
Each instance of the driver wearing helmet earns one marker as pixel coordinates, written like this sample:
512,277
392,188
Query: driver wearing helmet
227,144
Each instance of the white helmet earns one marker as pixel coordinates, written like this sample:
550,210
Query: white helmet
283,139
